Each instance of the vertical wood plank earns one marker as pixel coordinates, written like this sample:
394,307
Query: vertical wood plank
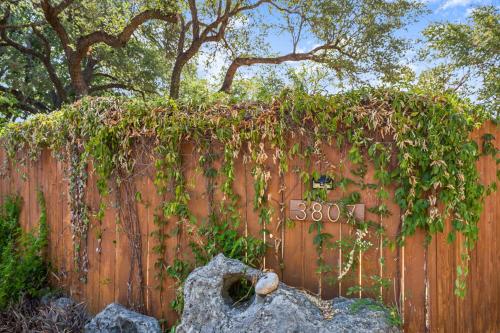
479,267
414,288
273,255
142,213
4,176
67,267
351,279
330,283
309,254
91,288
496,199
240,189
254,228
107,278
24,190
153,292
486,245
49,186
370,259
446,263
123,254
34,185
391,255
432,275
292,259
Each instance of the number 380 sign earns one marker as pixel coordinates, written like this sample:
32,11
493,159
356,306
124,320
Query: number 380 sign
327,211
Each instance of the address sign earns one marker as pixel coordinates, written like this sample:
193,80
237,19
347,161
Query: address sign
327,211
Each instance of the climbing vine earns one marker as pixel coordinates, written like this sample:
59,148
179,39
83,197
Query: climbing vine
419,143
78,208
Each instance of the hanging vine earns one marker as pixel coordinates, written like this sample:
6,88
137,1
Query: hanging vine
79,218
418,143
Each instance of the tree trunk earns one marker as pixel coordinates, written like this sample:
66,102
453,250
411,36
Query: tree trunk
229,77
77,79
58,86
175,79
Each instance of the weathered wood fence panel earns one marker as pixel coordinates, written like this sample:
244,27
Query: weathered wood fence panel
422,275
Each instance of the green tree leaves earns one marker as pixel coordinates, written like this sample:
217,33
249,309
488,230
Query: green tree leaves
472,52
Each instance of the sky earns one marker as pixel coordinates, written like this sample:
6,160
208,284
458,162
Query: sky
455,11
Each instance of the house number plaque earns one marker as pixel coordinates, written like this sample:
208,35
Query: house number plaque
301,210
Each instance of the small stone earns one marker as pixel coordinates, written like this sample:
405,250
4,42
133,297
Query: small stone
116,318
46,299
63,303
267,284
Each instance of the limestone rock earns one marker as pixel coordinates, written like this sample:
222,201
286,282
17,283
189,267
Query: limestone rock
209,307
116,318
267,284
63,303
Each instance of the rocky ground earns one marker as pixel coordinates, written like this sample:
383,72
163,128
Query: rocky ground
223,296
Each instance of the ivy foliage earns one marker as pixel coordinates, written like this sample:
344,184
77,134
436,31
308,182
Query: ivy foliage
420,143
22,265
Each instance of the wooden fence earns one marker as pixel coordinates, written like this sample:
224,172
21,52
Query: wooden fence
423,279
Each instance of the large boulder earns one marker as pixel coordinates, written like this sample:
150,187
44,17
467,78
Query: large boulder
209,306
117,319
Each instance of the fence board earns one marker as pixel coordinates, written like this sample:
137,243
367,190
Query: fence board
108,256
332,256
293,264
391,258
123,258
414,288
370,263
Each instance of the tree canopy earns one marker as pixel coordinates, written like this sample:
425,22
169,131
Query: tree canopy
53,52
473,53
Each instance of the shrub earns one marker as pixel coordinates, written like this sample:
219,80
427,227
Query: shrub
23,270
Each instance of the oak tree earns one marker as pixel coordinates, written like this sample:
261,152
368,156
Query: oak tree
52,53
352,37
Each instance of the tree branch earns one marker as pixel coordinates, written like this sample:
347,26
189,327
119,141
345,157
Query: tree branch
62,6
108,86
88,70
85,42
75,55
194,19
58,85
45,41
212,32
223,20
182,37
10,42
51,14
26,103
123,86
20,26
44,58
249,61
106,75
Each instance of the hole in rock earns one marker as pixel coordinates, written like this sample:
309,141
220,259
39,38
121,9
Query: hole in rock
238,290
